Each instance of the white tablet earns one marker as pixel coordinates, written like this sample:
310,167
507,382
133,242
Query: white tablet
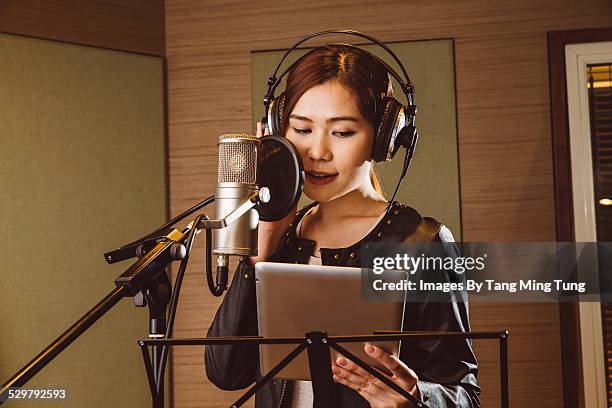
293,299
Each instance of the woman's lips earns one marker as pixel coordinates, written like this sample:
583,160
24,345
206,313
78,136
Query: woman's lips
319,179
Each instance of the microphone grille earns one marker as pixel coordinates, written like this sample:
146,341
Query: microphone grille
237,158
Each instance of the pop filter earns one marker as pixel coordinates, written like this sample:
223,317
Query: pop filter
279,167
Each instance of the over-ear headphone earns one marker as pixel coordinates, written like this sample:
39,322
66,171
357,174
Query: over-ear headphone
396,127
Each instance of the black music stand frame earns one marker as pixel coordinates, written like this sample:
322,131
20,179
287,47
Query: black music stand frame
318,344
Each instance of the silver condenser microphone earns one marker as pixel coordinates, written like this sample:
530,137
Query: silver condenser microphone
237,178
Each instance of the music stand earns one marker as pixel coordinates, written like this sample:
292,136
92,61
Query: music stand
318,344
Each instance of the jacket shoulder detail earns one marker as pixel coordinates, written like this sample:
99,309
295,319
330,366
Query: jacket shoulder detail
419,228
445,234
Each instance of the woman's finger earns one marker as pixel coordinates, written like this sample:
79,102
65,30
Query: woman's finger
347,364
395,365
368,391
367,385
375,388
351,376
362,379
258,133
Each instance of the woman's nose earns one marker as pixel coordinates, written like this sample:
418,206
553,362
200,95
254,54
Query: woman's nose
319,147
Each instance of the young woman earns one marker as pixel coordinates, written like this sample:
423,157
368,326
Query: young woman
333,100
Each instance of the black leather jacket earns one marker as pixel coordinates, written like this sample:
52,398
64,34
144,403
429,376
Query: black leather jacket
446,369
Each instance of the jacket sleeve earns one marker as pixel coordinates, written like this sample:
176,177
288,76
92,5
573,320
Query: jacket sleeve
235,366
447,368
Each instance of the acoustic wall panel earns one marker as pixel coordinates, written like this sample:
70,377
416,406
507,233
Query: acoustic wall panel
82,171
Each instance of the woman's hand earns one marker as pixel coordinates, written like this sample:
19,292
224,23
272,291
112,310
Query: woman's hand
377,393
269,233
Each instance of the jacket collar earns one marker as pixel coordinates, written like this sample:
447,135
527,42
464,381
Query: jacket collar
386,229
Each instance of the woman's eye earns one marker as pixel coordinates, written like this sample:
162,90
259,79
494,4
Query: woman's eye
301,131
344,134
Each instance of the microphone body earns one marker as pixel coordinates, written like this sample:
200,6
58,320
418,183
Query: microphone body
236,182
239,238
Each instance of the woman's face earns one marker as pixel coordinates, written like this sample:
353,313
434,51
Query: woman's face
333,139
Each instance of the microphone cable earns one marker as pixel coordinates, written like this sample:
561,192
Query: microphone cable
176,291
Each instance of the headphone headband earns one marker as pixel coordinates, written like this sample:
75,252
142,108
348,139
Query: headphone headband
407,86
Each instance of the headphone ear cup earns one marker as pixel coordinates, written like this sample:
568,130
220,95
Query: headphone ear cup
407,137
276,110
391,122
266,121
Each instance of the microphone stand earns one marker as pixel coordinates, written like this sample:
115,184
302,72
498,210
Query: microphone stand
147,281
132,249
156,298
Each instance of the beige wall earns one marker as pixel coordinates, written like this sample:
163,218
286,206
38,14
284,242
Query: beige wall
83,152
503,130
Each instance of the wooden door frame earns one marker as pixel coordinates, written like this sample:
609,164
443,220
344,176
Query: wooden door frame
568,311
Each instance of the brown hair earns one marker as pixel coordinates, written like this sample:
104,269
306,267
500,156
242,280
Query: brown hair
356,69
